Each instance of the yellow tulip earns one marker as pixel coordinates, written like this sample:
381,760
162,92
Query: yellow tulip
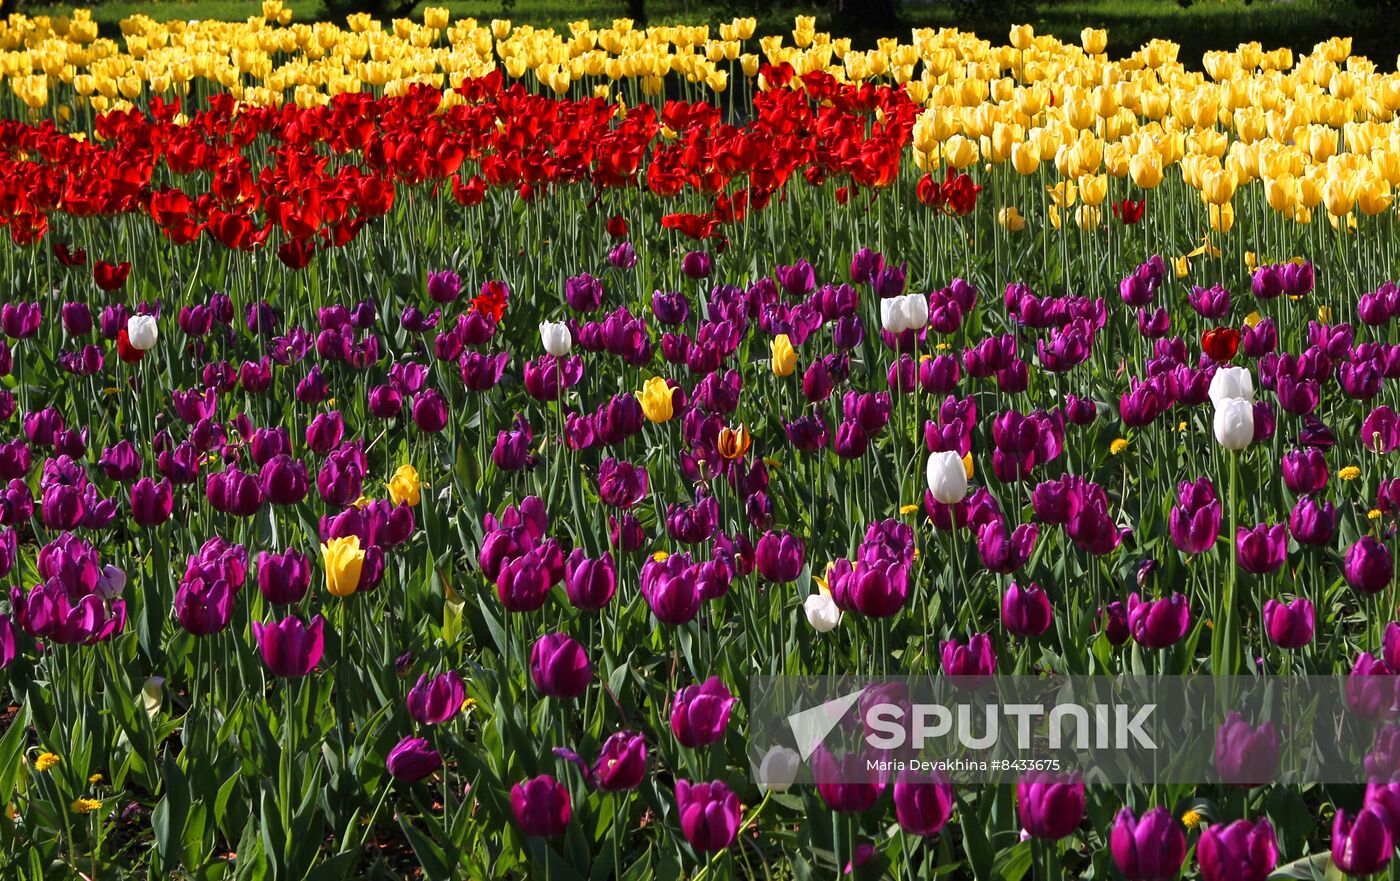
784,356
344,559
404,486
655,398
1010,218
1022,35
1094,40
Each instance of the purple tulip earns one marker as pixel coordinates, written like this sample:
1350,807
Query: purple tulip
523,583
976,657
444,286
283,578
1368,566
779,556
290,648
9,642
204,607
151,502
283,480
876,588
1051,806
923,802
559,666
670,589
1312,522
412,759
1304,471
1148,849
590,583
1241,851
1263,548
1245,755
1363,844
234,492
621,764
700,713
1025,611
1159,623
437,700
709,814
1002,552
842,783
621,484
1289,626
541,806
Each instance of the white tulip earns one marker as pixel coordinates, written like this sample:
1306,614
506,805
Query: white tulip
822,612
778,769
141,332
891,316
556,338
1231,382
915,311
947,477
1234,423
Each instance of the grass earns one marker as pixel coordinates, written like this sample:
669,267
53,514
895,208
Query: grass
1198,25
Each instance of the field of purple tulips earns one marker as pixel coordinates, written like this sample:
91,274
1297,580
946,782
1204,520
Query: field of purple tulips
446,547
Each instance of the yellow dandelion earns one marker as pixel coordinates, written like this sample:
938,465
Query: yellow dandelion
95,779
46,761
468,705
1373,514
84,805
1181,426
1351,472
659,556
908,509
1191,819
1119,445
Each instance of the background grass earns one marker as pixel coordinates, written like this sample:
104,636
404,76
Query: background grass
1198,25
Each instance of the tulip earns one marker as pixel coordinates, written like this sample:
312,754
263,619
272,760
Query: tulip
976,657
1234,423
283,480
656,398
1241,851
590,583
777,770
622,763
1050,806
141,332
822,612
700,713
344,561
1304,471
1368,565
405,486
203,608
923,802
843,784
779,557
437,700
559,666
709,814
1158,623
1364,843
541,806
9,643
1148,849
784,356
1289,626
290,648
430,411
556,338
1245,755
283,578
1025,611
412,759
151,502
947,477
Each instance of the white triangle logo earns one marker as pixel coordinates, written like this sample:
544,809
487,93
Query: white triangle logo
810,727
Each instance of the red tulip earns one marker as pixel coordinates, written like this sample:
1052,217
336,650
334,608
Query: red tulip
110,277
1220,343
